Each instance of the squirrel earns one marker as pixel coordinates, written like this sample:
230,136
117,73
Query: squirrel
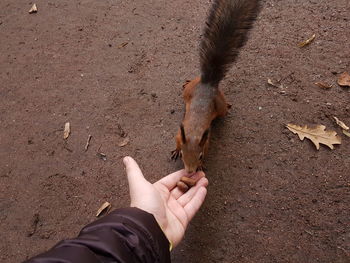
225,32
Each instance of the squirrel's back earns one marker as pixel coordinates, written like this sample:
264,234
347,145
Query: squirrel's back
225,32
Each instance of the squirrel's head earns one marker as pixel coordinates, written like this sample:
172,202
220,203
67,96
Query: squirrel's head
193,150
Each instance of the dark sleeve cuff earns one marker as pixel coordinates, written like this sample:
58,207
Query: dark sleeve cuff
125,235
139,230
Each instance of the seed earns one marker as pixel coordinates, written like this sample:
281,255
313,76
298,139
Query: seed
182,186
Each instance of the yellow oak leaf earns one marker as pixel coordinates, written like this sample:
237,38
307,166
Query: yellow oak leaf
316,134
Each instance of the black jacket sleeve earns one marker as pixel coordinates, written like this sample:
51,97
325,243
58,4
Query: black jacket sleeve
125,235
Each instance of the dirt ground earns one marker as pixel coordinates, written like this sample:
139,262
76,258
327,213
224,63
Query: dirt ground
115,68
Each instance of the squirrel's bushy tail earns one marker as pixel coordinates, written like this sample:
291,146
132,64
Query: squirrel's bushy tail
225,32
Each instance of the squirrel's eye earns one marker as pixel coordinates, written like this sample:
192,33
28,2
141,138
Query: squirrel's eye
200,156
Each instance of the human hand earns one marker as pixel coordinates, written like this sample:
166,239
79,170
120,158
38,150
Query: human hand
172,208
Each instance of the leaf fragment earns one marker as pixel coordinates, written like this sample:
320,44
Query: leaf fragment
323,85
124,142
121,132
66,131
33,9
341,124
344,79
102,156
316,134
307,41
104,209
279,86
270,82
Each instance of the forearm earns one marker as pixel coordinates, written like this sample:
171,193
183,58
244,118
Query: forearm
125,235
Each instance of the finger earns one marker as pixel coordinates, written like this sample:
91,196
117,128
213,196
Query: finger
134,175
187,197
171,180
176,192
193,206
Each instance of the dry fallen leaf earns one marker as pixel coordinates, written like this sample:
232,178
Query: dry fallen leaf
346,133
323,85
341,124
34,225
270,82
104,209
307,41
121,132
33,9
66,131
317,135
124,142
344,79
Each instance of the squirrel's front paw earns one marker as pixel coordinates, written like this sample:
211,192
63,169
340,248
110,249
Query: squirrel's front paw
175,154
186,83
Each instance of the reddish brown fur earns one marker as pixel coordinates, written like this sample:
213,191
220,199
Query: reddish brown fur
196,127
226,31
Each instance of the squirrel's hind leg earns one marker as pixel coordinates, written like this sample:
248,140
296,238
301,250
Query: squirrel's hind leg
191,83
189,87
221,104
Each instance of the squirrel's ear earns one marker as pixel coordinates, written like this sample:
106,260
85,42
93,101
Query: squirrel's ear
183,137
205,137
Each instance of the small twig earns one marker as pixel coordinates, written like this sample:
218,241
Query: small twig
66,147
309,232
344,250
88,142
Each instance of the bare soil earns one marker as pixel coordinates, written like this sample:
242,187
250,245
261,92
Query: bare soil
114,68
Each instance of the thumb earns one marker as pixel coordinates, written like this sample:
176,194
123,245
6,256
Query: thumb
135,177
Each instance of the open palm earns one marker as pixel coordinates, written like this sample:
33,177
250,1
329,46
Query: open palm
172,208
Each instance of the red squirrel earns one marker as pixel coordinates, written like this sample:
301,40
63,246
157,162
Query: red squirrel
226,31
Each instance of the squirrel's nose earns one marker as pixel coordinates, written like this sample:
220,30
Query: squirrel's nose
190,170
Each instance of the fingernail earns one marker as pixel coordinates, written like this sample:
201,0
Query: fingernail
126,160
